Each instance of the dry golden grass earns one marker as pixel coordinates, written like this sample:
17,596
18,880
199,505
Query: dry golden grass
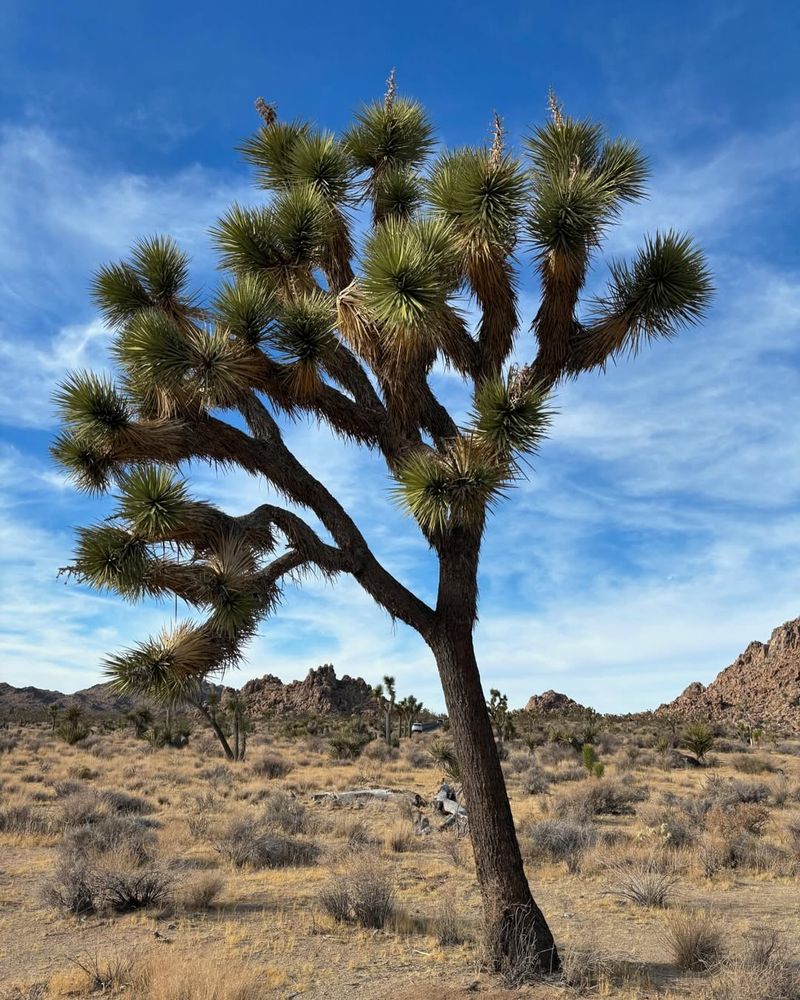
245,931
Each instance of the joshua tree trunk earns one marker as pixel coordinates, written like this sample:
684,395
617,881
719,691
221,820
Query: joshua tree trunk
507,898
211,718
514,920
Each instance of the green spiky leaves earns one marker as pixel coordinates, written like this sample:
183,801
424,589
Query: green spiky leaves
169,667
270,152
157,275
247,308
510,418
91,407
390,134
304,338
409,270
320,160
581,180
398,193
483,195
667,286
292,235
153,501
454,489
88,465
112,558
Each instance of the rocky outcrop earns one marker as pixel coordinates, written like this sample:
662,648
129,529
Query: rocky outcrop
761,685
321,693
553,703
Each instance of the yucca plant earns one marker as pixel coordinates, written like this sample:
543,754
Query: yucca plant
312,321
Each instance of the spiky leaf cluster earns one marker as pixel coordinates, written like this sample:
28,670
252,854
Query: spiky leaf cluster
390,134
409,272
454,489
510,417
484,196
581,181
156,275
665,287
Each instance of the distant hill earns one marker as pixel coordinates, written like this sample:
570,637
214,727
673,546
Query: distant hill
33,702
762,683
321,693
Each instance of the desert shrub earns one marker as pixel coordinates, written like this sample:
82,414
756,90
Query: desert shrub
534,781
761,970
282,811
748,763
107,975
377,750
122,834
346,747
22,819
698,740
124,804
125,889
355,833
270,766
201,891
694,940
400,838
793,834
72,888
65,788
446,925
8,744
81,809
603,797
585,972
416,755
72,731
363,893
644,882
82,772
554,754
565,773
246,844
669,823
558,840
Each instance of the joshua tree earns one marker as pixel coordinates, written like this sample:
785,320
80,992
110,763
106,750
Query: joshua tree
237,709
314,321
698,740
73,729
386,694
502,722
52,712
408,711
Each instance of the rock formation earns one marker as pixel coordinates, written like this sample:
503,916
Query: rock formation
762,685
553,703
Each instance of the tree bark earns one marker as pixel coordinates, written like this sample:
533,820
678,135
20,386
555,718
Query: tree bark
513,918
211,718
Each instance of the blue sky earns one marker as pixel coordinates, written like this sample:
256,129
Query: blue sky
659,532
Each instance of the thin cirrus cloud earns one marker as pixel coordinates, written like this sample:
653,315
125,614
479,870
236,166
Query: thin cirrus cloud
653,537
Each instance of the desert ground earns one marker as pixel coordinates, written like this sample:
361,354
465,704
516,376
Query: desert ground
170,874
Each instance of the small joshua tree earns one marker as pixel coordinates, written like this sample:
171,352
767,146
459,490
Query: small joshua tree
52,713
386,694
698,740
314,320
500,717
73,729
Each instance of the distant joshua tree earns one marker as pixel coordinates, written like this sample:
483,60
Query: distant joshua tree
52,713
314,320
386,694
